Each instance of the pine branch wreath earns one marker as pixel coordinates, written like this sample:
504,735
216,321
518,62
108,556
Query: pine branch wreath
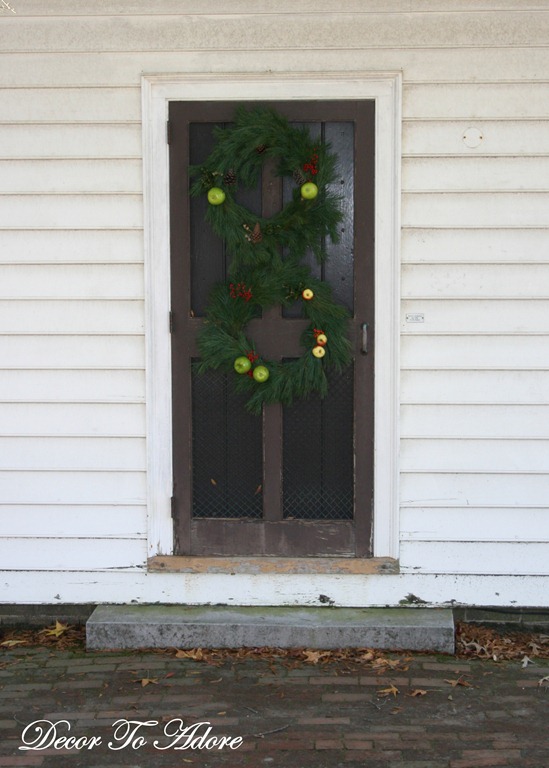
266,268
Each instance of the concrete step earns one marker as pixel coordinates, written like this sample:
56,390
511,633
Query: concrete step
161,626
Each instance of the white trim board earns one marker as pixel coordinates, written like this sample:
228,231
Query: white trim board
157,90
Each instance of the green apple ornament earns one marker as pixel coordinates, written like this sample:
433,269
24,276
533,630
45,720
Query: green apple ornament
261,374
309,191
216,196
242,365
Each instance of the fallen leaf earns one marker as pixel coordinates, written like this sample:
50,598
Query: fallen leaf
212,481
543,680
219,679
147,681
313,657
391,691
12,643
56,631
418,692
258,489
459,681
196,654
525,661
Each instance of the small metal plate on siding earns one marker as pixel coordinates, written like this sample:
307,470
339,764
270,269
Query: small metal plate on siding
415,317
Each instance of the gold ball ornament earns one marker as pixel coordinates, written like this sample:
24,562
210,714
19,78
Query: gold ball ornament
307,294
322,339
319,352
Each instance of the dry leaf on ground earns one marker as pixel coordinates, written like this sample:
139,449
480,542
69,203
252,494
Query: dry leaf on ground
391,691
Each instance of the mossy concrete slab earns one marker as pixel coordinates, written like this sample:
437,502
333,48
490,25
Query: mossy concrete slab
160,626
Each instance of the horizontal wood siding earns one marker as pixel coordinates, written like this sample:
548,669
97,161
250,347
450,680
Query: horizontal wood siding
475,265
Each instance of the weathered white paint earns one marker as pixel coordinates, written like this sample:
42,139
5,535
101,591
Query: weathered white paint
110,454
126,585
77,494
71,246
71,176
107,352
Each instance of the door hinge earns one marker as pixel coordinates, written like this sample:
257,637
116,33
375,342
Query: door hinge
169,131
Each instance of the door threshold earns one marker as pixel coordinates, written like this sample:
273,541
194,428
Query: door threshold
272,565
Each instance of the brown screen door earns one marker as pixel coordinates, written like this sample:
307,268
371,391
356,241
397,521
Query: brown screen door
296,481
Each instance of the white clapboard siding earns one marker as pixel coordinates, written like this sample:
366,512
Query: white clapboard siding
65,419
257,31
519,209
123,68
478,174
71,281
474,456
307,8
65,176
473,352
519,281
503,137
54,487
56,246
70,105
75,211
71,317
462,489
474,524
481,245
63,140
475,255
475,557
529,387
462,316
476,100
67,386
475,421
53,554
78,521
64,453
67,352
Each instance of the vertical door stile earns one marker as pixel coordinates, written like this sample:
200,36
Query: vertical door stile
271,200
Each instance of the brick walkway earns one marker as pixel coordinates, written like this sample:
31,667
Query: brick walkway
472,714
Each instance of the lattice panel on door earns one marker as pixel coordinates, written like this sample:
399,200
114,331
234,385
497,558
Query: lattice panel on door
227,451
318,465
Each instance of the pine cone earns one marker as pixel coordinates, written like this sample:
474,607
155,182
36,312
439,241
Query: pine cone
230,177
257,235
299,178
260,149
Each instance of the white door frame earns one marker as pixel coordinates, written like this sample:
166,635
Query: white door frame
157,91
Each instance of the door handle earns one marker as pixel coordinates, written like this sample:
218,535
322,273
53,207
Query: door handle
364,338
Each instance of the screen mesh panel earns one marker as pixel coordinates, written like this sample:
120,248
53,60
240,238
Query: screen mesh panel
227,451
318,461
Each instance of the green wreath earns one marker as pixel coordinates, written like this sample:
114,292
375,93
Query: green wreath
266,267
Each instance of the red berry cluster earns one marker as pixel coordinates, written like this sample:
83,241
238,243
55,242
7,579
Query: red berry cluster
252,357
312,165
240,291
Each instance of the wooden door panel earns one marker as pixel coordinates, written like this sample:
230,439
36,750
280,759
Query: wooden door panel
298,481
